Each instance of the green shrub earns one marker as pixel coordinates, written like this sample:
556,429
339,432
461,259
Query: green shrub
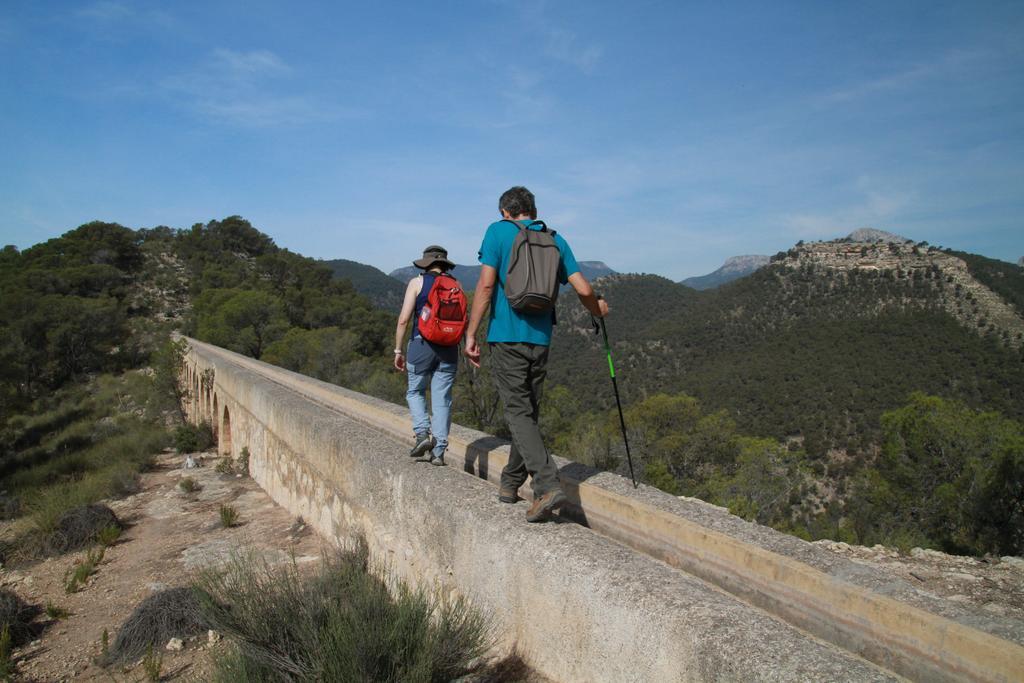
152,663
108,535
189,485
76,577
190,438
56,612
948,477
341,623
242,464
228,516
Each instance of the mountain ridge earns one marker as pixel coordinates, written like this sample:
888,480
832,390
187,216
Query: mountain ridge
383,291
734,268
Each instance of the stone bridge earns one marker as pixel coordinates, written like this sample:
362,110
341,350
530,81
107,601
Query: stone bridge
634,585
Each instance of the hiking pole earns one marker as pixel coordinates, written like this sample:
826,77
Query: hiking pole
615,386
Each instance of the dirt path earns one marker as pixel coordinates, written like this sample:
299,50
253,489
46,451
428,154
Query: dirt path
171,535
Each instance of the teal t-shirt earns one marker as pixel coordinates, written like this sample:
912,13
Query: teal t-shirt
506,324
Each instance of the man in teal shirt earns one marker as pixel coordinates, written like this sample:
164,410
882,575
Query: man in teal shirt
518,345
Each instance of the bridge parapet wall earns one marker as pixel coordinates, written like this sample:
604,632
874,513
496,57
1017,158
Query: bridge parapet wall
582,607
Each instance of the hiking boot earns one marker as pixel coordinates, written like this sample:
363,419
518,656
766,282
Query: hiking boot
543,506
437,460
424,442
508,495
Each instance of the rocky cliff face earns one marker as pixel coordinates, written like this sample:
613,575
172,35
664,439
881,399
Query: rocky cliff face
873,235
963,296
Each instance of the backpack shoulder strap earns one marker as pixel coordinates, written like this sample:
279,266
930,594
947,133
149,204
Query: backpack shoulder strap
543,226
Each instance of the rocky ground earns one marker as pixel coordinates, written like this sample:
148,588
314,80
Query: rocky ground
994,584
171,535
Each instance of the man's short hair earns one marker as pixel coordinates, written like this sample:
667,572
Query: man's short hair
518,201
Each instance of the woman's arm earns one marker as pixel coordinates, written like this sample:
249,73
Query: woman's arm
408,306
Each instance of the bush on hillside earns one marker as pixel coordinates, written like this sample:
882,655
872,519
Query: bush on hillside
948,477
190,438
341,623
79,527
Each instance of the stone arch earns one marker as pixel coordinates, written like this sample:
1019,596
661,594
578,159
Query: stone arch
224,440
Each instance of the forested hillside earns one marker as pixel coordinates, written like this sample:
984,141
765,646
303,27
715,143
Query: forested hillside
814,356
827,394
384,291
792,353
88,372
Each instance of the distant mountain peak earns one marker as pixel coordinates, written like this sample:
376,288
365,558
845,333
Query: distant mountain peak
873,235
734,268
748,263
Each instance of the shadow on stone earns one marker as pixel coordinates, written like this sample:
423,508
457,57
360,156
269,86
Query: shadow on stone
478,455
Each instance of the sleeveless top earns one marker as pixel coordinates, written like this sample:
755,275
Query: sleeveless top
421,301
422,351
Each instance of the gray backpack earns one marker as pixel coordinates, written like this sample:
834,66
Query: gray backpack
531,283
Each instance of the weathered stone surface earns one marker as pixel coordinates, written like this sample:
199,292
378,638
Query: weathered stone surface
581,606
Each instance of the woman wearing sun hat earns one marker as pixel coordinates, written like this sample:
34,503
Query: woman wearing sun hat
427,364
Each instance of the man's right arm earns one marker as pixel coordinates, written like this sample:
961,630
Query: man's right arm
481,300
597,307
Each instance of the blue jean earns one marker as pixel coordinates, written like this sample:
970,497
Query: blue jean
439,376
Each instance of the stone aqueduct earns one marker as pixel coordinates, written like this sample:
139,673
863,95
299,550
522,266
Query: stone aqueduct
639,586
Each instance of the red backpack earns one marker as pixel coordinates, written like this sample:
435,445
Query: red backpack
443,318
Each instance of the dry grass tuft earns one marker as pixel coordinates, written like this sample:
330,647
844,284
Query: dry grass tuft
171,613
79,527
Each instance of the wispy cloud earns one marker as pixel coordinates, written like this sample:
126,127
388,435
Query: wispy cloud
906,78
567,47
257,63
107,11
249,88
557,42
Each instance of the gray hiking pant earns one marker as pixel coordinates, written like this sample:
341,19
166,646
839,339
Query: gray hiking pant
519,370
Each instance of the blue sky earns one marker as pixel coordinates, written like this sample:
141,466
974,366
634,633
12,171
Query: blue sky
658,136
